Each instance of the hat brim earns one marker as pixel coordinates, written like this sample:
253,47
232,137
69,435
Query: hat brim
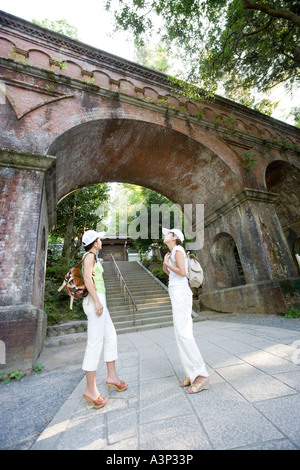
165,231
101,234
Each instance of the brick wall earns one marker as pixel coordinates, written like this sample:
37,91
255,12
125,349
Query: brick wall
20,199
23,234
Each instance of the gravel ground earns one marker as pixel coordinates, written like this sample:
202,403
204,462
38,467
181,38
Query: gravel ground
276,321
28,406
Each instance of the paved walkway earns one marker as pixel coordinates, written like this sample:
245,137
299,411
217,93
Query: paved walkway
253,402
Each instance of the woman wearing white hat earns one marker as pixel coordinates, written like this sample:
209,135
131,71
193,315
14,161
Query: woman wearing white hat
176,266
101,331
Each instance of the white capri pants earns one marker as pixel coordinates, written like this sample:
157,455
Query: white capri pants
101,334
190,357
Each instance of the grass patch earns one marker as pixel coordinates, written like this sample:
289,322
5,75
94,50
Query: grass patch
293,313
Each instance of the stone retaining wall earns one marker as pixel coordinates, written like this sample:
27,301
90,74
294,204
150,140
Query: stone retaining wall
67,328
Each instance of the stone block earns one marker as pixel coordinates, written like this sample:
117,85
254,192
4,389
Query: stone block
23,330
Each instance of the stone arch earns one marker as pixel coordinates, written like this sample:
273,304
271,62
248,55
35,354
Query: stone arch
6,47
283,178
72,69
39,58
254,130
150,93
172,101
209,114
99,135
229,270
240,125
192,108
142,153
101,78
266,134
126,86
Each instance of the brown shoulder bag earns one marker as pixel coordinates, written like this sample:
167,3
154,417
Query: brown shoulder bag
74,284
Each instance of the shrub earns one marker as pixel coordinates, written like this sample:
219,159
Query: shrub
160,274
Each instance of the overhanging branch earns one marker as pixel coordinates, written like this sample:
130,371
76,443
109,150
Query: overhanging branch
280,13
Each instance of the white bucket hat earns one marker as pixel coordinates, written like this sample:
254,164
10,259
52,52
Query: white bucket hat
176,232
90,236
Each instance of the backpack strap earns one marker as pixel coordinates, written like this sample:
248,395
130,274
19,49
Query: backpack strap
95,261
81,261
186,257
85,254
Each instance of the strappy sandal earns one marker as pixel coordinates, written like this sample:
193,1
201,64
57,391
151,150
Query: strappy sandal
120,388
185,382
99,403
198,387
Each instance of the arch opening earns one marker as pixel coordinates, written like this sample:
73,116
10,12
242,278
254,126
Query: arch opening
283,178
229,270
142,153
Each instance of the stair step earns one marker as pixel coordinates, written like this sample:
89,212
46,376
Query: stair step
141,315
142,321
141,297
152,300
136,328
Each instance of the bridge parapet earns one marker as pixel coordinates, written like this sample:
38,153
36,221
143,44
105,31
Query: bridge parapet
31,47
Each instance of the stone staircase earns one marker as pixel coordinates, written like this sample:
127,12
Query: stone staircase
151,298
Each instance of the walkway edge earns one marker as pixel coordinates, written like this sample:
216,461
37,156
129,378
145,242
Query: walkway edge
50,437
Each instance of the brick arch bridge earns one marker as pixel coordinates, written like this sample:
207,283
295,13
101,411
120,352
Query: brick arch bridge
72,115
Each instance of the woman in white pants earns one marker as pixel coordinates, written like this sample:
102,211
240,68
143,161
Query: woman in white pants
101,331
176,266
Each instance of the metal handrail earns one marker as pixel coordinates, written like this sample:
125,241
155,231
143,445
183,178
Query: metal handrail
121,279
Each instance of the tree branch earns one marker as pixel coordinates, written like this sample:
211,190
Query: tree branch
280,13
241,36
259,30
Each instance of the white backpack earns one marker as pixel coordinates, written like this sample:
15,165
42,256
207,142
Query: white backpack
195,274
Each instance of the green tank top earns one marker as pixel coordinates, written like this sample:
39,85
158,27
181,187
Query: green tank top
98,277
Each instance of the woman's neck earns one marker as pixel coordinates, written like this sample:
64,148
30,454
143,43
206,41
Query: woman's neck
171,245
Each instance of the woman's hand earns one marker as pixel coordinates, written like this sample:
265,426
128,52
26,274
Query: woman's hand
165,261
167,258
99,308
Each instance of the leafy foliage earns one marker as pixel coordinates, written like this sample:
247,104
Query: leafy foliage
156,58
258,41
77,213
60,26
296,114
138,199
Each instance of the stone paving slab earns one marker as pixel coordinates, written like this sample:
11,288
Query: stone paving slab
253,401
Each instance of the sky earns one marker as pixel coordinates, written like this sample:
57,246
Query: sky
95,28
93,23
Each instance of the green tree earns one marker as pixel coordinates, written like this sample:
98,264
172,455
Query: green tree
235,90
76,213
150,198
157,58
59,26
296,114
139,198
213,38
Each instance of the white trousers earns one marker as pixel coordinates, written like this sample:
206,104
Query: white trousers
101,334
190,357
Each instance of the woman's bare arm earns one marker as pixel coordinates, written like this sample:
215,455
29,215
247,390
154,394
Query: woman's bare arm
180,261
88,264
